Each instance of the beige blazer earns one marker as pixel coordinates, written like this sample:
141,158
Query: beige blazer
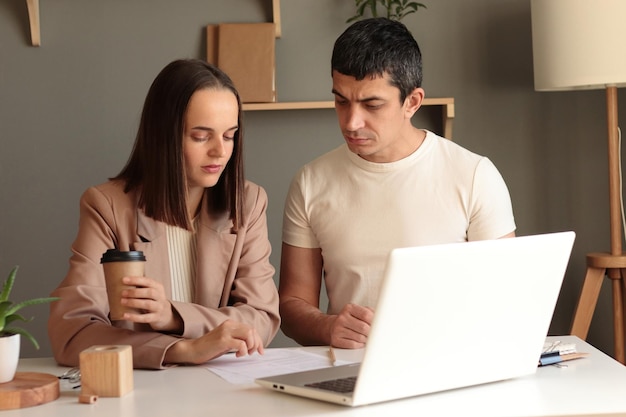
234,278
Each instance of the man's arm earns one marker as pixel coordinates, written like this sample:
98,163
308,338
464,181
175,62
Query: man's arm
302,320
299,292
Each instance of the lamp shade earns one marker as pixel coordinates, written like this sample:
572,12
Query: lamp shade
578,44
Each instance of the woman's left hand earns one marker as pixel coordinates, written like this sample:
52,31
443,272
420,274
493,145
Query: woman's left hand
153,306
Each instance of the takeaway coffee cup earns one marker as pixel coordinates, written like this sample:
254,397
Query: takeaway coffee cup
118,264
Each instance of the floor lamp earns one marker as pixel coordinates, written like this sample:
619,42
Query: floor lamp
577,45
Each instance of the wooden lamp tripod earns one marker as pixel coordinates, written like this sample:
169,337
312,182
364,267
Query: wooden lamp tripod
611,264
581,46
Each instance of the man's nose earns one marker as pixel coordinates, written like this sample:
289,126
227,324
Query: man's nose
353,119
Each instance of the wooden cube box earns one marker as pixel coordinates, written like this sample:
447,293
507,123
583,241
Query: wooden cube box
106,370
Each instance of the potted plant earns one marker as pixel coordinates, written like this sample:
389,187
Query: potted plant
10,334
392,9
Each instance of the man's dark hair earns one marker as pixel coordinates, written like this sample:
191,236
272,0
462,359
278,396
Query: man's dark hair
377,46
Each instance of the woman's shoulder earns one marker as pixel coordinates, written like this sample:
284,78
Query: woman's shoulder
254,191
112,192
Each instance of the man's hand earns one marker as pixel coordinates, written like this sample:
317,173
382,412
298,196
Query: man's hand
351,327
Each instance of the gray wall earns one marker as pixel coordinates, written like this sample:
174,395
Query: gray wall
69,111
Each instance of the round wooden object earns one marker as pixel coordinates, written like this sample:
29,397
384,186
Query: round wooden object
28,389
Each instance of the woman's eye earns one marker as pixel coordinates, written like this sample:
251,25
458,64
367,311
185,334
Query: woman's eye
230,135
199,138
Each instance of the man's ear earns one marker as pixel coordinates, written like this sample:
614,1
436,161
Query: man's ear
413,102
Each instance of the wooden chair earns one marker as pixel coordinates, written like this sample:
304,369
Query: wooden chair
600,265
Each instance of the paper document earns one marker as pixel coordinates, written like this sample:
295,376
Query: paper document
557,346
275,361
345,356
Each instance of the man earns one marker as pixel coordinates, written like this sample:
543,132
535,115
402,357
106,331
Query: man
391,185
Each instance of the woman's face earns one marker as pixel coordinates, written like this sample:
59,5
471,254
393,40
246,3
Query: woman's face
211,121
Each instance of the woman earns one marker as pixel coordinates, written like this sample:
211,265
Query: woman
183,201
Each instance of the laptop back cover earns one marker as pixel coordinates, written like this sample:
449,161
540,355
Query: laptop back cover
462,314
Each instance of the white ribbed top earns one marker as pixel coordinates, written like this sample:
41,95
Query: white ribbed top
181,245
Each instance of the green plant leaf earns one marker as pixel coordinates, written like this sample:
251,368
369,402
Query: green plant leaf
26,303
9,309
395,9
4,306
14,317
8,285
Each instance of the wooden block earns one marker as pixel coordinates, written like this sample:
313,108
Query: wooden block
28,389
87,399
106,370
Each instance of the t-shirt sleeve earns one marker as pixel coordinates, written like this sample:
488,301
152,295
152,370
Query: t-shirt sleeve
297,229
492,211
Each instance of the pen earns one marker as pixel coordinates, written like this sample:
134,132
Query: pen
551,358
548,358
331,354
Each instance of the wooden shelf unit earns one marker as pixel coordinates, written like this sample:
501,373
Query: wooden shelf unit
33,17
447,103
35,32
276,17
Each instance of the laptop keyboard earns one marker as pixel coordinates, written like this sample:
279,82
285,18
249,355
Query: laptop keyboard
343,385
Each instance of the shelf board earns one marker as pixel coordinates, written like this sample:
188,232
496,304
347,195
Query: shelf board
289,105
35,34
276,17
33,17
446,102
303,105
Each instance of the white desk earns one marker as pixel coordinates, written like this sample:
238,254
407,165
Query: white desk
586,387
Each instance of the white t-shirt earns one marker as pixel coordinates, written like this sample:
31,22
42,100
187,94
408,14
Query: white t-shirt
356,211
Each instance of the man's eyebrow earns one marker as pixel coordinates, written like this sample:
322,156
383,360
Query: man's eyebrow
337,93
363,100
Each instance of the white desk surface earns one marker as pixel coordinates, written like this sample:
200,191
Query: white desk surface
592,386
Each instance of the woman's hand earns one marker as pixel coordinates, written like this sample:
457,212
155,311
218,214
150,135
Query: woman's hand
227,337
153,306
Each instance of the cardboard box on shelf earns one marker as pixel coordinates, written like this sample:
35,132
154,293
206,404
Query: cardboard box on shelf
246,52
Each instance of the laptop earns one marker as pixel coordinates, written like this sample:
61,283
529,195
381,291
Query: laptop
450,316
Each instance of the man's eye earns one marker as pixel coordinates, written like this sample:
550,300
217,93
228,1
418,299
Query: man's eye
373,104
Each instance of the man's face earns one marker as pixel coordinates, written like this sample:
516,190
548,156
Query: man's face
373,122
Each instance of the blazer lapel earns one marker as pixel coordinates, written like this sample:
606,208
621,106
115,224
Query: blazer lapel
153,242
214,274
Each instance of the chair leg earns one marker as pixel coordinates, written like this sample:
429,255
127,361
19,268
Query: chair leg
587,301
618,315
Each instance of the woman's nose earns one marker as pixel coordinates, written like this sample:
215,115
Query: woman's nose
217,148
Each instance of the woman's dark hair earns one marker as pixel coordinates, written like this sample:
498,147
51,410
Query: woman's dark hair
378,46
156,167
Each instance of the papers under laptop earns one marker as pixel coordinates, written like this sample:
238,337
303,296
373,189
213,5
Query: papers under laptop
450,316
